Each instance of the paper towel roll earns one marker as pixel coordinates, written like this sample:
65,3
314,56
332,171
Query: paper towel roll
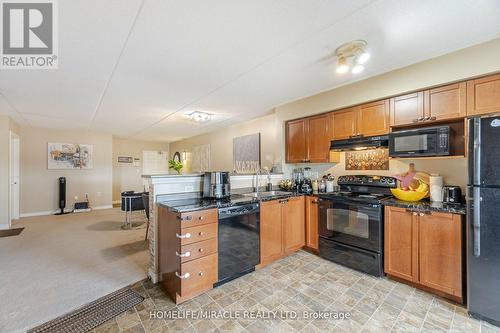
436,187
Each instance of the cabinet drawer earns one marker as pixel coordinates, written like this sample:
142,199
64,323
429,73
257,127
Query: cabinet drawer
199,249
199,217
197,234
198,275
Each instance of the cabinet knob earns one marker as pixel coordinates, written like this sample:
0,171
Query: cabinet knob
200,218
182,277
200,250
415,213
421,214
200,274
421,119
201,233
182,236
427,118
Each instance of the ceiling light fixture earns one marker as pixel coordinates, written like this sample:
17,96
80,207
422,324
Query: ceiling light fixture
199,116
342,66
352,54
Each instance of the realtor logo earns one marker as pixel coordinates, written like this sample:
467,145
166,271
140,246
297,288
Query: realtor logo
29,34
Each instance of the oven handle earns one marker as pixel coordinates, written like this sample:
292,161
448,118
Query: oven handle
346,200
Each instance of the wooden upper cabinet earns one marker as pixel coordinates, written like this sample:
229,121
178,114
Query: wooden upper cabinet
407,109
343,123
483,95
318,145
312,222
296,141
440,258
400,248
294,224
271,231
445,102
373,118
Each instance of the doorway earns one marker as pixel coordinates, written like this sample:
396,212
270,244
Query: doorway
14,177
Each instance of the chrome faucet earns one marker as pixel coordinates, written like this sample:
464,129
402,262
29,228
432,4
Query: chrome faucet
257,176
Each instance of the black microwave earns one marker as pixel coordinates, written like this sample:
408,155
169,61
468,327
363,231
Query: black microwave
429,141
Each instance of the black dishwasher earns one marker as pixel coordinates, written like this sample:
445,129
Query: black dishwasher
239,241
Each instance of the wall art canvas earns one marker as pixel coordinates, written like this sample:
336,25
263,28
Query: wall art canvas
376,159
69,156
246,153
201,158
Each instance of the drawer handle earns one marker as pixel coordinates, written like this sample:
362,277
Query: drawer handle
201,233
183,255
421,214
182,277
200,274
181,236
200,249
187,218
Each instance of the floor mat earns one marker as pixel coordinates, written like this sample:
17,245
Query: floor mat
11,232
93,314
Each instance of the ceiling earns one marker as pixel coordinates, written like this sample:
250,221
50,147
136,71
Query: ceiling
135,68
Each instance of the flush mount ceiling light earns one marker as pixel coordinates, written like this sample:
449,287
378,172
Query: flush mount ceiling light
200,117
352,54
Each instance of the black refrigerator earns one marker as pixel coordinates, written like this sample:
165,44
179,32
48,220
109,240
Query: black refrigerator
483,219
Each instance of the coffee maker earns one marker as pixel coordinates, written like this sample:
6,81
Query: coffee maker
216,185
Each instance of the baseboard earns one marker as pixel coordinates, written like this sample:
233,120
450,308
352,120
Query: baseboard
45,213
117,202
102,207
4,226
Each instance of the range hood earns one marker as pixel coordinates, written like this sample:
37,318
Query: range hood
360,143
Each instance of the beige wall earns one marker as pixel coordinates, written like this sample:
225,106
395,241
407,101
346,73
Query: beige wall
6,126
39,185
221,143
474,61
127,177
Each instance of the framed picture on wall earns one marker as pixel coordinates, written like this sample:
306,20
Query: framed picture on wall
69,156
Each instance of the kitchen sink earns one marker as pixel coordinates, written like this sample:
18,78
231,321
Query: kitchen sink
266,194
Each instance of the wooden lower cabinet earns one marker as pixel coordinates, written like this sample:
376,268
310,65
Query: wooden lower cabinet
282,228
294,229
312,241
271,231
425,249
187,252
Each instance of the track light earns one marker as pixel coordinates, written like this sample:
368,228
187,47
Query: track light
352,54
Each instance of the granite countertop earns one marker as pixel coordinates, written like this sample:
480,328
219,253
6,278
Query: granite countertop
189,205
426,206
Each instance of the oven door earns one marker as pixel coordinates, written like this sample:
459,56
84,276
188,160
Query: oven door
413,143
350,222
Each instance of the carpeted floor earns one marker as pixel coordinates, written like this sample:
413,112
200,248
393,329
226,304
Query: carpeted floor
59,263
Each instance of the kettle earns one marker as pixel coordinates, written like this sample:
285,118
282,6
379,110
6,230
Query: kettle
452,194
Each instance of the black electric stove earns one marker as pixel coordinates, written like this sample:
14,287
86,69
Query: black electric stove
351,222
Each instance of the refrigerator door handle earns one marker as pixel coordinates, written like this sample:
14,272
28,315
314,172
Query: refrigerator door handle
477,151
476,223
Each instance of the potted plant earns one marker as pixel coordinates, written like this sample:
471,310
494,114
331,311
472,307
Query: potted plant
176,165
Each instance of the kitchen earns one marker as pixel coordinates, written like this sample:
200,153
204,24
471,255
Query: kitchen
428,244
255,166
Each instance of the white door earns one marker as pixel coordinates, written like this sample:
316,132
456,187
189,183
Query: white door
14,176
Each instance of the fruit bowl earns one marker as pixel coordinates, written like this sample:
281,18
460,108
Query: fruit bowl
409,195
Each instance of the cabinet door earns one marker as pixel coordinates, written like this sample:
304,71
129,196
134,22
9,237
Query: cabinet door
440,258
271,231
407,109
400,244
294,224
318,139
445,102
373,118
296,141
312,222
343,123
483,95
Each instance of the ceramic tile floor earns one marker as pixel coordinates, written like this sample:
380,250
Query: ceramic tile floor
304,282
